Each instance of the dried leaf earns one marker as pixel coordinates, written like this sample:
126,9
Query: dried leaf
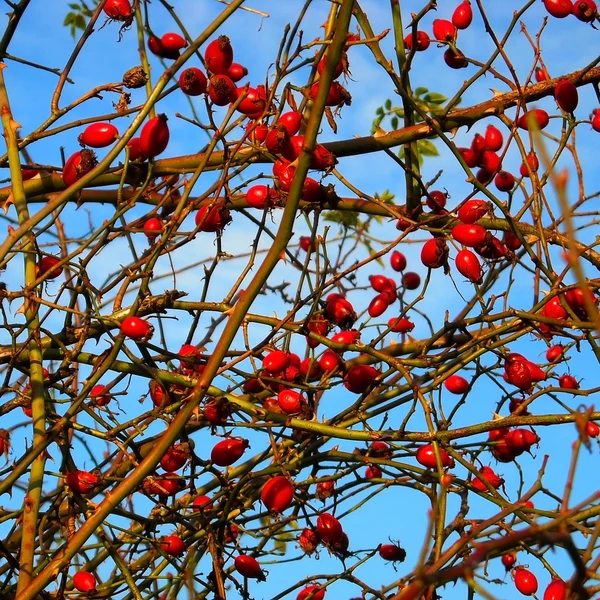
331,119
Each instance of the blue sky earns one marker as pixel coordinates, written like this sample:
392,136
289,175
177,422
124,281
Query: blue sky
398,513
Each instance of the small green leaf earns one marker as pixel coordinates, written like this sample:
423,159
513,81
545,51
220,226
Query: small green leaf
394,122
380,111
434,98
388,104
427,148
420,91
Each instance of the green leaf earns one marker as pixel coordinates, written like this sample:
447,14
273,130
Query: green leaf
388,104
420,91
380,111
427,148
434,98
394,122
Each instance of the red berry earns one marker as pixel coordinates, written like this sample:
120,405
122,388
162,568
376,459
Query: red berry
541,75
469,234
153,227
373,472
426,456
491,162
329,529
400,325
277,494
291,121
136,328
509,560
469,266
436,200
423,41
99,135
410,280
84,582
248,567
392,552
592,429
98,395
473,210
173,545
566,96
154,137
81,482
202,504
493,138
339,311
119,10
337,95
228,451
525,581
585,10
222,90
532,164
291,402
218,55
213,218
559,8
398,261
444,30
77,166
462,16
456,384
568,382
259,196
47,266
434,253
378,306
330,361
135,151
520,440
488,475
517,372
504,181
236,72
360,377
314,592
338,69
455,59
174,458
555,353
254,100
308,540
167,485
556,590
193,82
536,117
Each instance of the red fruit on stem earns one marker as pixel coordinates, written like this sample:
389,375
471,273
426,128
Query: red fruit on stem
470,156
426,456
136,328
592,429
434,253
339,311
47,266
81,482
568,382
493,138
398,261
77,165
99,135
491,162
400,325
504,181
236,72
423,41
152,228
218,55
213,218
469,234
488,474
221,90
174,458
536,118
392,552
520,440
350,336
99,396
84,582
517,373
559,8
329,529
173,545
119,10
509,560
339,68
167,485
135,151
373,472
228,451
411,280
173,42
378,306
291,121
248,567
308,540
525,581
193,82
531,164
555,353
469,266
455,59
277,494
259,196
337,95
291,402
314,592
462,16
566,96
556,590
436,200
444,30
473,210
541,75
202,504
456,384
154,137
360,377
254,100
585,10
